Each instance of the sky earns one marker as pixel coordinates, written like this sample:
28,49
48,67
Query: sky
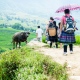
46,7
55,4
49,7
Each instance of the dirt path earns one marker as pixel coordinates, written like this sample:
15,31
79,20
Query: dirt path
73,60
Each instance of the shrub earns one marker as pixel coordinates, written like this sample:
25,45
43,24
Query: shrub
2,50
8,65
44,39
77,39
26,64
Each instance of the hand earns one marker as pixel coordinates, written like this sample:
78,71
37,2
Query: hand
59,34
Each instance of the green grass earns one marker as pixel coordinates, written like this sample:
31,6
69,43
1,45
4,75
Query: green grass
6,38
26,64
77,39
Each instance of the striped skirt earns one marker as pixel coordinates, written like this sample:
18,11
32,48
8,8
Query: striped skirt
67,38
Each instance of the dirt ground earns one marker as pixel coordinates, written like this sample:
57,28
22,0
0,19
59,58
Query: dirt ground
72,60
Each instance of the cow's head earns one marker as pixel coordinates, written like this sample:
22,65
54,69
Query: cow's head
27,34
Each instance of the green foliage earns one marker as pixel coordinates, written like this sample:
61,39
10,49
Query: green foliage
77,39
6,37
21,21
2,50
18,26
9,63
44,39
26,64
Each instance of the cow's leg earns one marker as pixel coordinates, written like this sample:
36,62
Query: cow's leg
16,44
26,42
13,45
19,44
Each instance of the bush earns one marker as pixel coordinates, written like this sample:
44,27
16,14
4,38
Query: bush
44,39
77,39
26,64
2,50
8,65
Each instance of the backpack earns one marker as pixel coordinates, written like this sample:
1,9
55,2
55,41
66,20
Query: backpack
69,27
51,29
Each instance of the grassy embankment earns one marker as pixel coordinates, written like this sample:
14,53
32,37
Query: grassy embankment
26,64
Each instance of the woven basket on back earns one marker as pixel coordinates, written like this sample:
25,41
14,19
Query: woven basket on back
52,31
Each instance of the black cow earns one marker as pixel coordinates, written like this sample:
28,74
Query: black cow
19,37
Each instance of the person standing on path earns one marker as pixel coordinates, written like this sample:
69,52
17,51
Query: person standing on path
51,29
65,37
39,33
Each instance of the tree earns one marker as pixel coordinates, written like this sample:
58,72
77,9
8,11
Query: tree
18,26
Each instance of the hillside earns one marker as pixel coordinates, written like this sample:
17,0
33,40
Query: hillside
28,64
25,20
20,12
6,38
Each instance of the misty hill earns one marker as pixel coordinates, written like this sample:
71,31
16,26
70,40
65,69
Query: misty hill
22,21
39,8
23,12
26,6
